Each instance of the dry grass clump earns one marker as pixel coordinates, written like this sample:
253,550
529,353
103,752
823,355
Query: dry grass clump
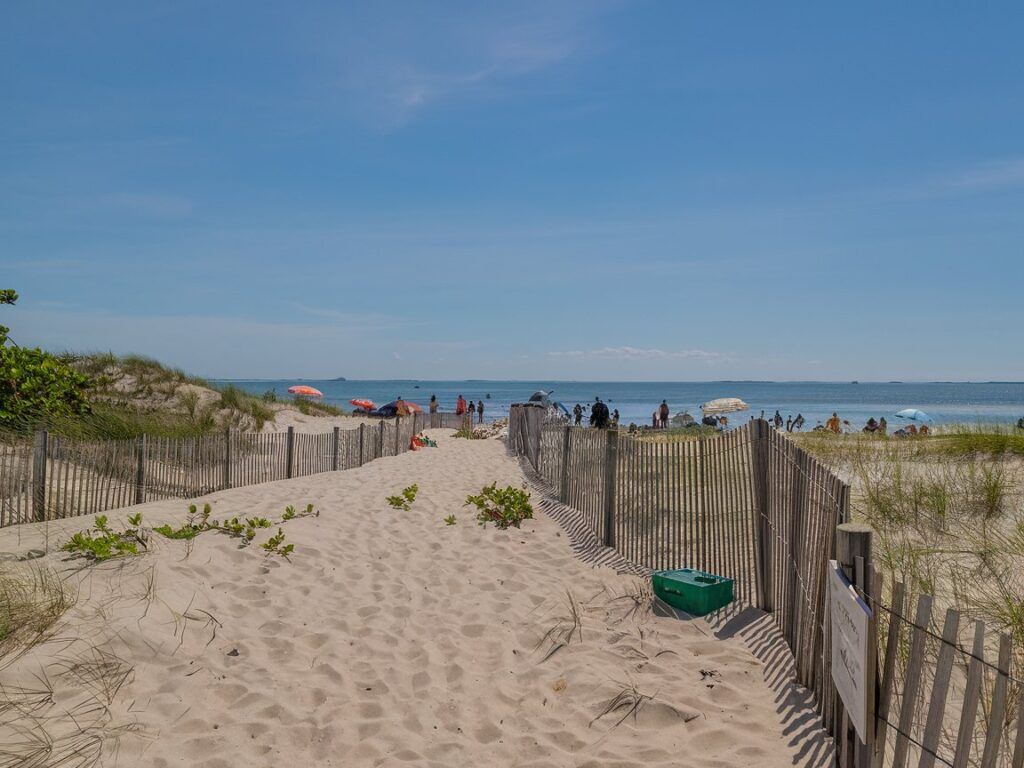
31,601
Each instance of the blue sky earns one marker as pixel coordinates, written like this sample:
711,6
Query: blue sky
580,190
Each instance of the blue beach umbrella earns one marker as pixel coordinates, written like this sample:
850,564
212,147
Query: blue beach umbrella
913,415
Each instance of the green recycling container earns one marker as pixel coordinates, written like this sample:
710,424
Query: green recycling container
693,591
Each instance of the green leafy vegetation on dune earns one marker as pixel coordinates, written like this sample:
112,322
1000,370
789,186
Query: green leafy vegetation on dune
35,385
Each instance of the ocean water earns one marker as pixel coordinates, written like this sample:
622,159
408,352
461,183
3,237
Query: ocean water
945,402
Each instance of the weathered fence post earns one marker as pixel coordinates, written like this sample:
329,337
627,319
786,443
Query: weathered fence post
380,439
763,548
398,434
853,553
611,470
227,457
415,431
140,471
335,449
362,441
563,492
39,452
290,453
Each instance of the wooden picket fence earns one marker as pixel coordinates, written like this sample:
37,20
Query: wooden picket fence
752,505
49,477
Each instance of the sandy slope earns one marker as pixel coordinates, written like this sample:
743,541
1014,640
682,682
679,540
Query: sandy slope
392,639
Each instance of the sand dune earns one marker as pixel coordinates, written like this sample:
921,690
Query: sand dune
391,638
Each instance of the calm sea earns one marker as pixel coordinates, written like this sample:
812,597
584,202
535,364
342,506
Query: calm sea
945,402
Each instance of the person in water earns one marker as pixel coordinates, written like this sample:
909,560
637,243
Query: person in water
480,411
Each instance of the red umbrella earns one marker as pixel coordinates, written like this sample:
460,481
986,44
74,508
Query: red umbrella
302,389
366,405
413,408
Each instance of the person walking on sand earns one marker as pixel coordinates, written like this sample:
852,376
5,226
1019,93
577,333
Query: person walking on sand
480,412
663,411
833,424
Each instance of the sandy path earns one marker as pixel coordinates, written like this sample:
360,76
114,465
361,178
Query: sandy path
394,639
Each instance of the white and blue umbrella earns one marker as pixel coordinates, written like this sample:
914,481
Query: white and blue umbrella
913,415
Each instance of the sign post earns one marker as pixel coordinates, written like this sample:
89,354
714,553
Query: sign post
851,581
851,623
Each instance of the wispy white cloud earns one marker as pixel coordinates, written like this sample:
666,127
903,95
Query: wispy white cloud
638,353
396,64
978,178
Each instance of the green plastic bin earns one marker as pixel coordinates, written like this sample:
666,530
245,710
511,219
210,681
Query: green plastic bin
696,592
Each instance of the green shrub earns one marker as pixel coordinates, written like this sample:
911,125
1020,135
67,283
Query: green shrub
35,386
504,507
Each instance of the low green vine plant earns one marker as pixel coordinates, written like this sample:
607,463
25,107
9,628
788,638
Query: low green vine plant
101,542
405,499
450,520
275,545
504,507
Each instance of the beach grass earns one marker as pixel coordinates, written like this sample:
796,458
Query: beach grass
315,408
31,601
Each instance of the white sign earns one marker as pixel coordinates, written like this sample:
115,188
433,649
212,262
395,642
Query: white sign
851,619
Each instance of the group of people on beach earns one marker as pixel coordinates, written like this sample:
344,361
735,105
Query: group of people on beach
463,407
600,416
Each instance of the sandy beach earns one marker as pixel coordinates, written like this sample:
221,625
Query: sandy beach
389,638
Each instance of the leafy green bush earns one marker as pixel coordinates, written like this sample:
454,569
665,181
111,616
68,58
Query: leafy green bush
102,543
35,385
405,500
504,507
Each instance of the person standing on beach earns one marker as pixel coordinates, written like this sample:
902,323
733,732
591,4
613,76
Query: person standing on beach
789,423
798,422
577,413
777,419
833,424
460,406
480,411
433,403
615,418
883,425
663,411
